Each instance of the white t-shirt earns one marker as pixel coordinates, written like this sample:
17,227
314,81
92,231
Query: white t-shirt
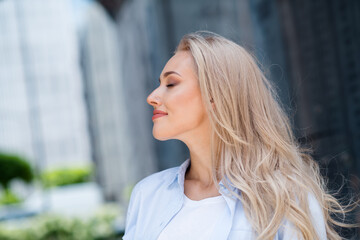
195,220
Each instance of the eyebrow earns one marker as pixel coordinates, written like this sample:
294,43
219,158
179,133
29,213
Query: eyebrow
168,73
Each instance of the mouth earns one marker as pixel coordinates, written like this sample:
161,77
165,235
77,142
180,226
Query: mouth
158,114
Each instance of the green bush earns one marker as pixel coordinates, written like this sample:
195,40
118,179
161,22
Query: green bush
13,167
52,227
66,176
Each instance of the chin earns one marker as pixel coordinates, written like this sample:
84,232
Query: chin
160,136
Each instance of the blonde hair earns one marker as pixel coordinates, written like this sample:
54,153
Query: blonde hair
252,141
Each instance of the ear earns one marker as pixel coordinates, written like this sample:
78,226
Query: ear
212,103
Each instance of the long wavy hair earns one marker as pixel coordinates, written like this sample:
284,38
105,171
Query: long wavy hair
253,144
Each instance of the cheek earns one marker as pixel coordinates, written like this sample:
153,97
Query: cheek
185,103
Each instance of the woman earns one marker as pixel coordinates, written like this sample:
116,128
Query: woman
247,177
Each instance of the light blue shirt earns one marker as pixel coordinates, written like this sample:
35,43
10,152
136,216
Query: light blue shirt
156,199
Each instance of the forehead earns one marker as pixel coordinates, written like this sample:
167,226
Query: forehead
182,62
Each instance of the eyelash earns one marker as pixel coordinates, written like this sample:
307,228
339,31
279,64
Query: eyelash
170,85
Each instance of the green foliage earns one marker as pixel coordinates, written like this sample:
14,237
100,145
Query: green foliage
66,176
13,167
51,227
9,197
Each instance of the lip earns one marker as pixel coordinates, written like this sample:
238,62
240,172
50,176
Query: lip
158,113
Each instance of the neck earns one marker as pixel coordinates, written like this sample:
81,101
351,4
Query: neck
198,143
200,158
199,172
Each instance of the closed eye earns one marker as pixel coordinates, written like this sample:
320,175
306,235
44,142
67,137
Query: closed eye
170,85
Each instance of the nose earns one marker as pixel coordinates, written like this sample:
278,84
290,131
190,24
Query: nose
154,99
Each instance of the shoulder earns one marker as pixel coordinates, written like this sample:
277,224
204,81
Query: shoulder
156,180
148,198
314,205
317,216
287,231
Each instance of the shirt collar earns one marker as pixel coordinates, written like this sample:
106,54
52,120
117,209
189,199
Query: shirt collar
180,174
180,177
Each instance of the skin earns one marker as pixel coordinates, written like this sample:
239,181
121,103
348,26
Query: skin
179,96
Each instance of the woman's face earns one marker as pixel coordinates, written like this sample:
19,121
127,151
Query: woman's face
178,97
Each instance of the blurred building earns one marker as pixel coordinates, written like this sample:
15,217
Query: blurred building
120,132
319,52
42,111
63,90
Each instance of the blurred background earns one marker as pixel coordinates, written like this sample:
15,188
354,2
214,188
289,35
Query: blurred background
75,128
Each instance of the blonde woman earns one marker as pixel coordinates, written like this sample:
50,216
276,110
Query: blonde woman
247,177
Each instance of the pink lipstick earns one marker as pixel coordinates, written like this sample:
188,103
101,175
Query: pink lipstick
158,113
